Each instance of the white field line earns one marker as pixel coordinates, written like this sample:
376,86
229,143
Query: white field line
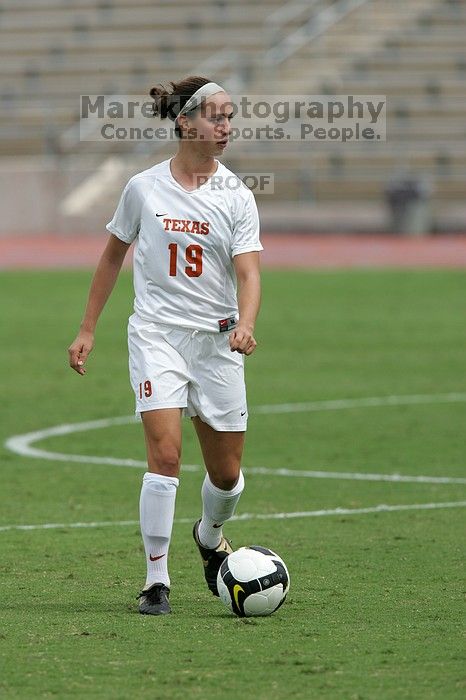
382,508
22,444
353,476
368,402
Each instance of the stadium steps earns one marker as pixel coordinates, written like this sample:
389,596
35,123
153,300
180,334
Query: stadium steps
451,129
350,39
420,108
421,62
134,79
197,17
420,65
110,63
95,5
411,51
396,85
412,86
413,41
109,6
50,51
68,46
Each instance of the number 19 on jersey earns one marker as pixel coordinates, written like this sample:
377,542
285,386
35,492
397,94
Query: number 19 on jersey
193,257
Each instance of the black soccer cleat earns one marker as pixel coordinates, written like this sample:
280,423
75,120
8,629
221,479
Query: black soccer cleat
212,558
154,600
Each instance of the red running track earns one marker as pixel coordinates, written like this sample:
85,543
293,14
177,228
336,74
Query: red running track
280,251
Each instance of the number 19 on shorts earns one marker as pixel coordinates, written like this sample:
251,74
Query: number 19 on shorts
145,389
193,257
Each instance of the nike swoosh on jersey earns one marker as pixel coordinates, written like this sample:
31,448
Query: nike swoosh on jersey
160,215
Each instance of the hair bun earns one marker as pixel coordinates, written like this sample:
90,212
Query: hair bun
167,103
164,101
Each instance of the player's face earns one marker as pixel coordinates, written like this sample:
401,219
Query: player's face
211,124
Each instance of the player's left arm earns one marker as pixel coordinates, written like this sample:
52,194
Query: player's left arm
249,295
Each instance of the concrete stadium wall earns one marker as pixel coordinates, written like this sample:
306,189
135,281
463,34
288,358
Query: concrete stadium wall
32,188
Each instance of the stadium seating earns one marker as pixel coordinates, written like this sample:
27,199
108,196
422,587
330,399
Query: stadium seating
51,51
415,55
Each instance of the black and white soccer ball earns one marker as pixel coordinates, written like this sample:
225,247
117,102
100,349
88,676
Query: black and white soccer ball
253,581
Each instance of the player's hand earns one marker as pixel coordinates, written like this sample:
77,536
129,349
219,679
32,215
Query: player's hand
79,350
242,340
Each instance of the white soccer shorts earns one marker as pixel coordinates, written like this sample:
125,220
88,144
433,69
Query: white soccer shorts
174,367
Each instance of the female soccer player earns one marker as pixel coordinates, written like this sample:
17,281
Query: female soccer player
196,229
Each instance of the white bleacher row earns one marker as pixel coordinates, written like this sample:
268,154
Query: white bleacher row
199,16
443,132
446,123
74,58
69,45
392,86
108,6
94,5
421,62
109,61
439,119
91,76
139,79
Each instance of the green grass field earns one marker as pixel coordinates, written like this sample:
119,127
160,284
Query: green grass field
375,608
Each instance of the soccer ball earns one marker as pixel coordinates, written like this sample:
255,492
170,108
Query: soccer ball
253,581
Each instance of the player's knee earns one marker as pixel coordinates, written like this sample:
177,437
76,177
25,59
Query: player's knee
226,482
165,460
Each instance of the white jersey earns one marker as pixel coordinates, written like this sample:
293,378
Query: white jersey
185,245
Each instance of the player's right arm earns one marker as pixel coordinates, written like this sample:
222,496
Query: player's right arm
101,287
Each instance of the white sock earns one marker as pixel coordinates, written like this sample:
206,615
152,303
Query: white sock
157,509
217,507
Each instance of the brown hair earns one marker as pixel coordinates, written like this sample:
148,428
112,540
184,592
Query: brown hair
168,104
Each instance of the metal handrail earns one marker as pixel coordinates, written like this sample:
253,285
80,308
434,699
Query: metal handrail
316,25
288,12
